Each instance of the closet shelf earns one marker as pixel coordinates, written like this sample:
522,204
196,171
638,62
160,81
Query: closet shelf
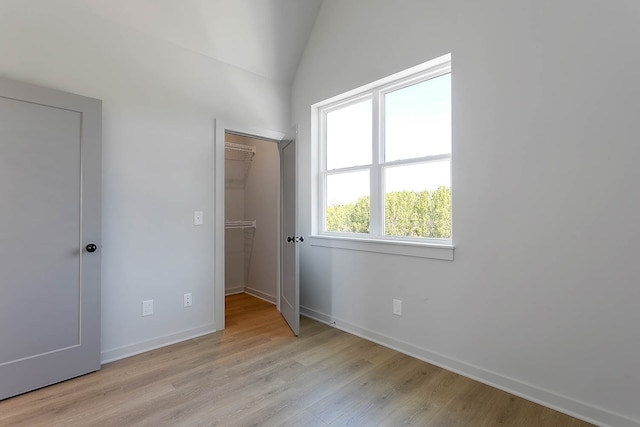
239,152
240,224
239,157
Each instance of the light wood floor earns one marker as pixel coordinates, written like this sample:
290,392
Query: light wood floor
256,373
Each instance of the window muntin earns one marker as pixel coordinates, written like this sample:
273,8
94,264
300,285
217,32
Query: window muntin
401,151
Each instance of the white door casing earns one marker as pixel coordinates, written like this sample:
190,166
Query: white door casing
50,196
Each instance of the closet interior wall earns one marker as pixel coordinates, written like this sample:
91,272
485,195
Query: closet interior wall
251,252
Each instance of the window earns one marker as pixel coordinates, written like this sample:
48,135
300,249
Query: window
384,169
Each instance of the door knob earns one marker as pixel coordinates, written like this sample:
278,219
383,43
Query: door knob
91,247
290,239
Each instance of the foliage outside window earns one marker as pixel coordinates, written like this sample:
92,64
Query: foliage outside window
385,160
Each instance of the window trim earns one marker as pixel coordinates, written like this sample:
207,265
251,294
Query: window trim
376,240
385,246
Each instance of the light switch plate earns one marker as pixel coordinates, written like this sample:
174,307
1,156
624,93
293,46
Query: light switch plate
397,307
147,307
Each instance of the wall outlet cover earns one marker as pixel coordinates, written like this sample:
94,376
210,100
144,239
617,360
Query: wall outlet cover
187,300
198,218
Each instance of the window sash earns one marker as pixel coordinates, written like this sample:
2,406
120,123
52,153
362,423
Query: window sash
338,106
378,164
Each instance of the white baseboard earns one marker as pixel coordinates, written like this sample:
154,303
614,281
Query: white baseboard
233,291
266,297
152,344
535,394
316,315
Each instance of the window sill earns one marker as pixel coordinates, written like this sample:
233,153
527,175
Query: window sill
392,247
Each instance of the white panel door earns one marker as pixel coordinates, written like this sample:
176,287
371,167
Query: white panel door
50,190
290,285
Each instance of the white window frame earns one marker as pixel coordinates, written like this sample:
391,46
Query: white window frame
376,240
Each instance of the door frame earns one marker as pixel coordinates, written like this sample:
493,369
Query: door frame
222,126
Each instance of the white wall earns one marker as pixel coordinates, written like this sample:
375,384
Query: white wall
542,297
159,102
262,203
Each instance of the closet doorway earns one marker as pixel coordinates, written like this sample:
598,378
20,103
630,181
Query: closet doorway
252,217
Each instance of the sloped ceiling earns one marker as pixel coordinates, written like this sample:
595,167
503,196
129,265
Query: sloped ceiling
265,37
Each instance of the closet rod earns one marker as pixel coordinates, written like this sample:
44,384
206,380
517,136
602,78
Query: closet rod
240,224
240,147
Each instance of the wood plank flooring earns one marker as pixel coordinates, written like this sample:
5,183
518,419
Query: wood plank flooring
256,373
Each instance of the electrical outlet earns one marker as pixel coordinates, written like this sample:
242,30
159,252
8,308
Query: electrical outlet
147,307
198,218
187,300
397,307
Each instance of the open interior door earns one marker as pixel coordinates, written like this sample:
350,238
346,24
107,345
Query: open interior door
289,283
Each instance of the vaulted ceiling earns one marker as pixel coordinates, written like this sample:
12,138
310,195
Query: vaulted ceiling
265,37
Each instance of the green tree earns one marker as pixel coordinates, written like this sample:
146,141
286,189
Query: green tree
439,220
401,216
349,218
338,218
407,213
360,216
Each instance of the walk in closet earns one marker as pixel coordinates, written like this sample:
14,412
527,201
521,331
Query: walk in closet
252,185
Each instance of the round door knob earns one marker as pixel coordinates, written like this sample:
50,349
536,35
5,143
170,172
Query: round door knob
91,247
